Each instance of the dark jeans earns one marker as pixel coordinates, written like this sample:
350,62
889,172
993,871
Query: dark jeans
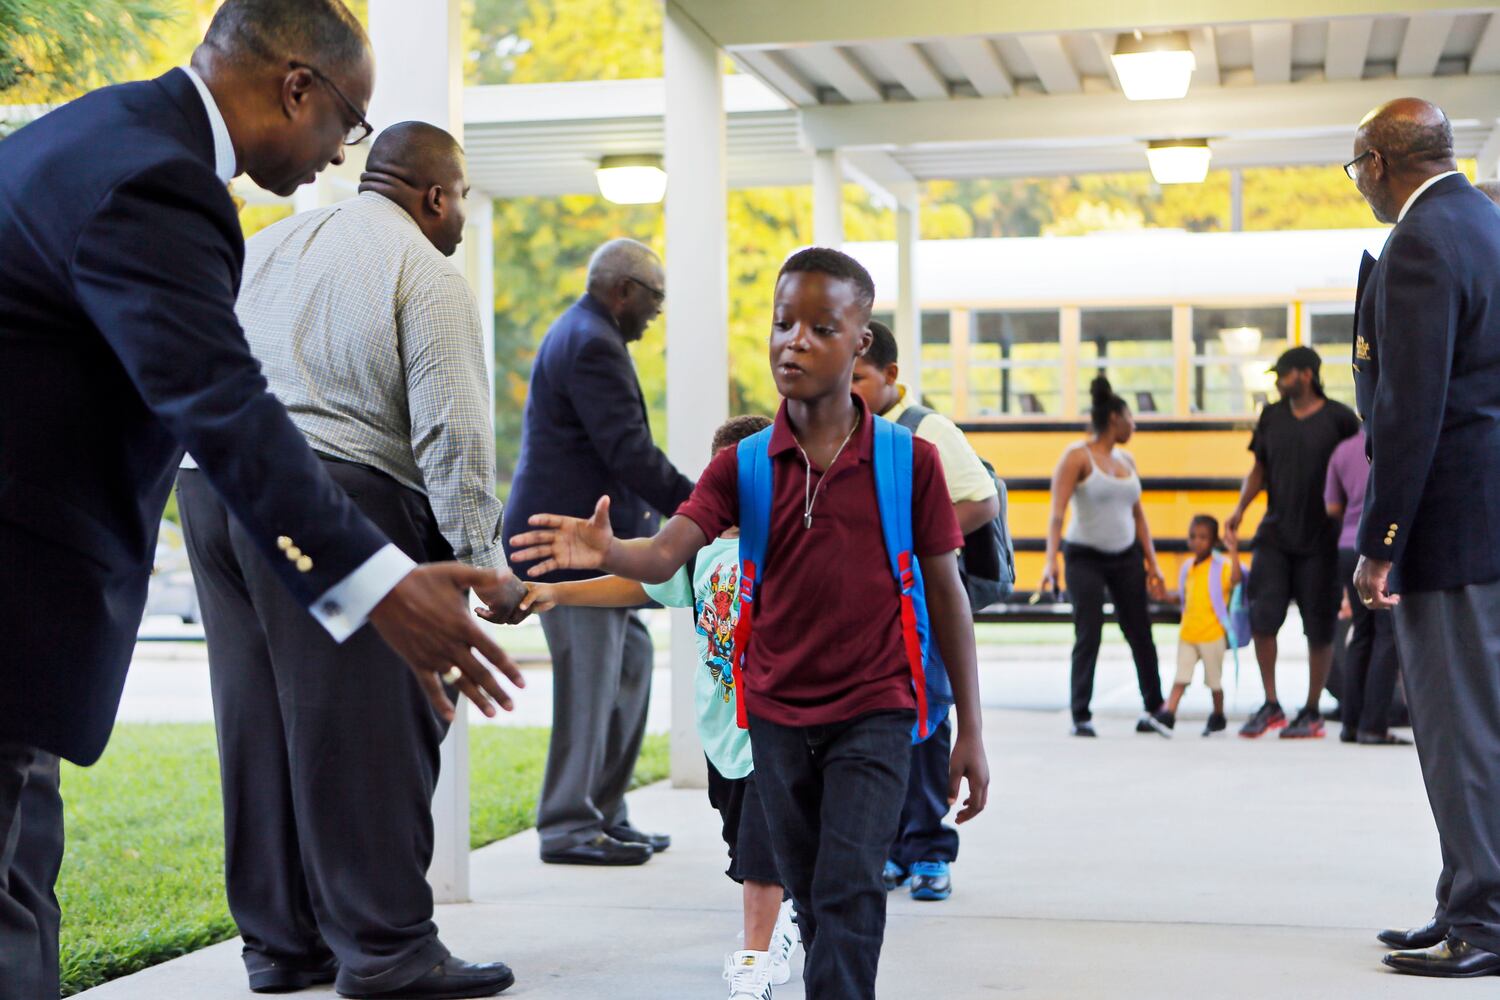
832,796
1369,681
1090,574
31,850
922,835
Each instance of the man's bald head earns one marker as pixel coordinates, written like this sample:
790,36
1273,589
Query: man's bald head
1397,148
421,168
321,32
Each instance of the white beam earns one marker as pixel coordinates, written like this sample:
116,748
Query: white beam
697,302
981,65
421,57
1422,46
1245,111
908,325
1051,62
780,76
1271,52
1486,56
879,174
590,100
828,199
1105,43
1205,43
912,70
847,75
1348,45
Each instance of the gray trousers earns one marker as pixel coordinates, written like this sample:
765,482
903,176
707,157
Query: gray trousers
328,753
31,850
601,686
1449,642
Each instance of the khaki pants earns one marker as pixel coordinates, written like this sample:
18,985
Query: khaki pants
1212,655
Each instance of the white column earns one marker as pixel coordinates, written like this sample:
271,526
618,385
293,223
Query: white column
828,199
908,327
697,309
479,259
419,77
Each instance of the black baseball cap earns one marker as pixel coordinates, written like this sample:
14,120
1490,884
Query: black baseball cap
1294,358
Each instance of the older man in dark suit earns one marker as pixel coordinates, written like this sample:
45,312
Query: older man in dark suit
118,349
1427,369
585,435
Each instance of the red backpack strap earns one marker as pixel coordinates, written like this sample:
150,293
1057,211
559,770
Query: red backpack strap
754,475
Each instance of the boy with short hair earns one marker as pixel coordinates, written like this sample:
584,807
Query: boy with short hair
826,679
709,584
925,847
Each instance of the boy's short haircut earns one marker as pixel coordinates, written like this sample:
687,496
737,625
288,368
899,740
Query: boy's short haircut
824,260
736,429
1208,521
882,353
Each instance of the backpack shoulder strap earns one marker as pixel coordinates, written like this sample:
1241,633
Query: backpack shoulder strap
1182,579
753,458
893,493
911,418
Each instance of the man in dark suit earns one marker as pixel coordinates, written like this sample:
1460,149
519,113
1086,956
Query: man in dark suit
1427,371
585,434
118,349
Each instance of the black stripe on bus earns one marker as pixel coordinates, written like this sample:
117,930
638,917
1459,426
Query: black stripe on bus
1150,484
1176,546
1144,425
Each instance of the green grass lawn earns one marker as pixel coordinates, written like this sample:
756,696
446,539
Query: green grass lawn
143,879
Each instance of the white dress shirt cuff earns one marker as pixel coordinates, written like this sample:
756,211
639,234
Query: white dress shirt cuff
346,606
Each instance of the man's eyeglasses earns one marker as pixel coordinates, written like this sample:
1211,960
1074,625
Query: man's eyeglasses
1349,167
356,133
657,295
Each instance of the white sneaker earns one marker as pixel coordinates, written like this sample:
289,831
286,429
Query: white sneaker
749,975
783,942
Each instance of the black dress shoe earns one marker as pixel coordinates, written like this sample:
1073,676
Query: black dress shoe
452,979
1426,936
1453,959
627,834
1382,740
282,978
602,850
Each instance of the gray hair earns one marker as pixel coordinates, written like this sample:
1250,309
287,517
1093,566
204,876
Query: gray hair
620,259
1490,189
323,32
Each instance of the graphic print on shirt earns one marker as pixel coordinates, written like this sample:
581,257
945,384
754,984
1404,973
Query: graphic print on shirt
716,621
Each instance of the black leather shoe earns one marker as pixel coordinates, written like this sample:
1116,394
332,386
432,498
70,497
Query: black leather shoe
453,979
1382,740
280,978
627,834
1426,936
602,850
1453,959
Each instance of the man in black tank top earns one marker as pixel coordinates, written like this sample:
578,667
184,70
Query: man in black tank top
1296,546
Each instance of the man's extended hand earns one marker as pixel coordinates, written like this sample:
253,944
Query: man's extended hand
426,620
1370,580
968,761
565,542
503,600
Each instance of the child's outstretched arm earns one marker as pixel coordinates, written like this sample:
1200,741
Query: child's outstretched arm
953,626
559,542
600,592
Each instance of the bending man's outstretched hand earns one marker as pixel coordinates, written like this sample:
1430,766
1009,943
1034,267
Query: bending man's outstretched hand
426,620
565,542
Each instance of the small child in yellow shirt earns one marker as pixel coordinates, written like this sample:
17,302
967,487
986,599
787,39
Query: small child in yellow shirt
1206,586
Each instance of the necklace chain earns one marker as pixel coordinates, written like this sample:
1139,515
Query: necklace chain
810,495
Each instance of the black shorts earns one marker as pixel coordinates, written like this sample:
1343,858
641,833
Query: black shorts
1311,579
745,830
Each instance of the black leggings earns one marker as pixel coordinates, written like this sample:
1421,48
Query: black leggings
1090,573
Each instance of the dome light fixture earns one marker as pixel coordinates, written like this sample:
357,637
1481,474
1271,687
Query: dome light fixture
1155,67
1178,161
1241,341
632,180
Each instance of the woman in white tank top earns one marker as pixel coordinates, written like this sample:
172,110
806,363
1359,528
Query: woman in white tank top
1109,552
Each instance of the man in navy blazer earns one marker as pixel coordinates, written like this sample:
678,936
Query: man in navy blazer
1427,373
585,435
118,349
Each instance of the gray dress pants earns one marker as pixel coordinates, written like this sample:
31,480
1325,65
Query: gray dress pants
31,850
1449,642
601,686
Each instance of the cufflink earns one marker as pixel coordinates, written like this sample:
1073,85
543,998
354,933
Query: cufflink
283,543
304,564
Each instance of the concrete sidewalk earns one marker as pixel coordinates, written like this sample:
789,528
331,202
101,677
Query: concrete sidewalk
1125,867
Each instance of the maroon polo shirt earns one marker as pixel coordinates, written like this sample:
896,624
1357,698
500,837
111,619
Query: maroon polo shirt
827,643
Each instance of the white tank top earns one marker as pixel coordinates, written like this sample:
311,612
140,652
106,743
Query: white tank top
1103,508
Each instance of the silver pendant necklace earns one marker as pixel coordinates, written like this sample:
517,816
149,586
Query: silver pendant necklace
810,495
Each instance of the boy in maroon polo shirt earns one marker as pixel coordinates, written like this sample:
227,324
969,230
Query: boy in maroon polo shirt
826,680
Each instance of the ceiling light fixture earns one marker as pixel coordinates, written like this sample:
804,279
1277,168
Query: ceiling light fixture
632,180
1178,161
1154,67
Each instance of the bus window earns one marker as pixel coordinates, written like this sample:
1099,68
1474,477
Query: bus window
1015,363
1133,348
1232,348
937,361
1332,334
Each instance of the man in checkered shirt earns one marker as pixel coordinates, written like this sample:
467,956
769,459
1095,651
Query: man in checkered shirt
370,338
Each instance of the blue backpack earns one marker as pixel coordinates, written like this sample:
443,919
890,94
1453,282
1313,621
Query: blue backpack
893,475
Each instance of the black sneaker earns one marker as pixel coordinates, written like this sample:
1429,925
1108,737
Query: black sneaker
1160,721
1308,725
1084,729
1216,724
1268,716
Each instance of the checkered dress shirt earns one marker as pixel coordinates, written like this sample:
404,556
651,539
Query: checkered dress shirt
370,338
